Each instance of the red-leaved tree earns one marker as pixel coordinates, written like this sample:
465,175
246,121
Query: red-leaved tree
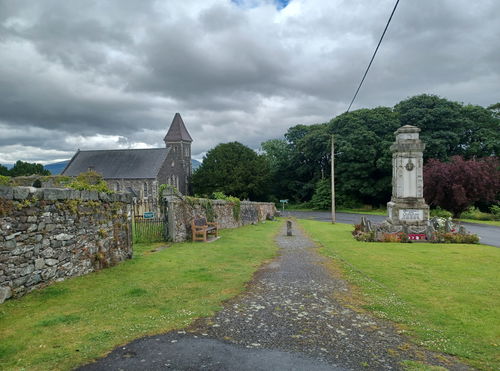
458,184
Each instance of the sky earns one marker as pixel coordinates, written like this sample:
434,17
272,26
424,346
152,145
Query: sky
112,74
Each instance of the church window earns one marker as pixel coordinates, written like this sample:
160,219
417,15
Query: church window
117,187
145,189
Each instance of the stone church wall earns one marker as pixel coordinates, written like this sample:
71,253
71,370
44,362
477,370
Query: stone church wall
51,234
182,213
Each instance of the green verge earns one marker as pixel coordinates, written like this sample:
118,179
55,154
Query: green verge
363,211
495,223
446,296
72,322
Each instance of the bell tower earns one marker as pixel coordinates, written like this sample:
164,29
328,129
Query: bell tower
179,142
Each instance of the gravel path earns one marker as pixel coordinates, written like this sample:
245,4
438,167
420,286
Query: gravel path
293,316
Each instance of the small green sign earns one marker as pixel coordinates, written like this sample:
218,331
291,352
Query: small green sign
284,201
149,215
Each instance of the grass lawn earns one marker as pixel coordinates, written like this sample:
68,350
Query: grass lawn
446,296
70,323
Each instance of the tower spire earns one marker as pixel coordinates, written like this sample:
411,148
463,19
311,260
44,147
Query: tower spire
177,131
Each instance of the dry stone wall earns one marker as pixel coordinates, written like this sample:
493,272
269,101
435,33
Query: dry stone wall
225,213
51,234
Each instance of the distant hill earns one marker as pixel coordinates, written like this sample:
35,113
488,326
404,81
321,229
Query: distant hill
56,168
195,164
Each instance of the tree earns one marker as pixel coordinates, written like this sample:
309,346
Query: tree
495,108
235,170
22,168
310,158
363,168
279,155
450,128
459,184
322,197
363,139
4,171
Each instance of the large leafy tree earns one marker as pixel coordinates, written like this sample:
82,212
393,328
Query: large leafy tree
235,170
362,155
459,184
25,168
279,155
310,158
450,128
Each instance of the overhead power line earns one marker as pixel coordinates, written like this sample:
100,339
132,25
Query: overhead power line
373,56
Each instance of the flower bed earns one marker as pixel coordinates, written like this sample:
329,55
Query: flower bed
440,230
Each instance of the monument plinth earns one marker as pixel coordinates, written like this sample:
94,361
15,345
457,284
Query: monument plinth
407,206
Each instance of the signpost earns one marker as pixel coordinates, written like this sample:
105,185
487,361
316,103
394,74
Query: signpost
148,215
283,202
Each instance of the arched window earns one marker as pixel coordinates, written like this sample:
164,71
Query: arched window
145,189
117,187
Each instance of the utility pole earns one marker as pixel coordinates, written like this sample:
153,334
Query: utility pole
333,180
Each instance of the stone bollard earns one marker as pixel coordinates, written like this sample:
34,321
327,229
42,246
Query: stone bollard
288,227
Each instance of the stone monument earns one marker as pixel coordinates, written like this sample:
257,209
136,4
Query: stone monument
407,209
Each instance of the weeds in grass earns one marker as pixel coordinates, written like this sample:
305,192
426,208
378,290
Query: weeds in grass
57,320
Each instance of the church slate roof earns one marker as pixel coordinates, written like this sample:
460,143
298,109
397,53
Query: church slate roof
119,163
177,131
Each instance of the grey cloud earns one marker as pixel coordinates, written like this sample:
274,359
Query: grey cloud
122,68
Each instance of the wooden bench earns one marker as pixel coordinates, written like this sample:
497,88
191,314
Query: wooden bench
201,229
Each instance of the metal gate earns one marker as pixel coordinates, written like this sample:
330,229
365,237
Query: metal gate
150,222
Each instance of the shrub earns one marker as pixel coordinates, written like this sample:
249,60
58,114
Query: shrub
365,236
495,210
90,181
476,214
450,237
4,180
391,237
441,213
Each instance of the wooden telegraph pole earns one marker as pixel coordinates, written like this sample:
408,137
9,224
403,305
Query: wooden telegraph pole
333,180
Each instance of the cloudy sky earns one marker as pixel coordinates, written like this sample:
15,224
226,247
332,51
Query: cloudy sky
94,74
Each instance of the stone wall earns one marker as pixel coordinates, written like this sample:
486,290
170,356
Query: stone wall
225,213
51,234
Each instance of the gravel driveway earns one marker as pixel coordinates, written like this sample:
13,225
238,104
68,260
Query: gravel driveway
294,315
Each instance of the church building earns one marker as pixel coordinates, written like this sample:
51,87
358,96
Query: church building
141,171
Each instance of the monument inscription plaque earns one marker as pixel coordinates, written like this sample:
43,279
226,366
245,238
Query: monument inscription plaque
411,214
